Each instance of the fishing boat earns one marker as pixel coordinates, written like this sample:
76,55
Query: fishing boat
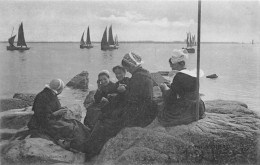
110,43
86,44
190,41
21,44
116,41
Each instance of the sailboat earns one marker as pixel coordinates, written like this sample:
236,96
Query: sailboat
110,43
189,43
116,41
86,44
21,44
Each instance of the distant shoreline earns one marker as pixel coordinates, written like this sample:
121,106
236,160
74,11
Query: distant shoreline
159,42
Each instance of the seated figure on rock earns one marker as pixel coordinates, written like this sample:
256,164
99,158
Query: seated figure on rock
180,96
48,119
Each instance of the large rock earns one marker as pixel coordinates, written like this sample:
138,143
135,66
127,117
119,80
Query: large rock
16,118
80,81
37,150
13,103
19,100
29,97
228,134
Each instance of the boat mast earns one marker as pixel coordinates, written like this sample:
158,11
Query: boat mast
12,32
198,61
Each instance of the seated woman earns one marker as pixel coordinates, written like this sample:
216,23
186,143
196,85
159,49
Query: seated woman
138,110
47,118
106,89
180,98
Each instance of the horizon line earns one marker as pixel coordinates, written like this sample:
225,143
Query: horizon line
143,41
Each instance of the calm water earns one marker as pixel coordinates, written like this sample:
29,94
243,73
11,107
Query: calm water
237,66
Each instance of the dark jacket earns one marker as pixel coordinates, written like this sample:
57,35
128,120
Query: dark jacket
104,91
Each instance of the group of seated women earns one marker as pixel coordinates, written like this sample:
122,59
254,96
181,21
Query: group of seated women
126,103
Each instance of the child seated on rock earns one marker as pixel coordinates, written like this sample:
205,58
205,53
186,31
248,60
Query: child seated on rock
121,84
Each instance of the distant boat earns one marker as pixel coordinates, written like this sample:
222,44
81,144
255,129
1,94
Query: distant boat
190,41
86,44
116,41
20,42
110,43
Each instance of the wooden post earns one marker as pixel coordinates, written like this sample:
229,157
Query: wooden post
198,60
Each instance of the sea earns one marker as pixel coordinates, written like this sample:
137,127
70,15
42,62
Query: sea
237,67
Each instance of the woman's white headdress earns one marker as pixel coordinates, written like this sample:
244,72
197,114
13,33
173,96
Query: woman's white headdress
179,55
133,59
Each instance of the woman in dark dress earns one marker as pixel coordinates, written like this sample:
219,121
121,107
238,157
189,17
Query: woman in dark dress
180,97
48,119
139,110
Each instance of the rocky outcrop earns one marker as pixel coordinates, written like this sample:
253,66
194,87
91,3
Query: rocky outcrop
16,118
228,134
19,100
38,150
29,97
12,103
80,81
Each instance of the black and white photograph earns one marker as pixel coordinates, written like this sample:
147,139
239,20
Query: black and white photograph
129,82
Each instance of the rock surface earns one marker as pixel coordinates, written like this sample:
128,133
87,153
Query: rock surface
19,100
16,118
80,81
13,103
37,150
29,97
228,134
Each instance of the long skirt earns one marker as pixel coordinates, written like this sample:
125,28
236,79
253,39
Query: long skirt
182,111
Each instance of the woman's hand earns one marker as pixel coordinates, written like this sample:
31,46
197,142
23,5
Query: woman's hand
164,87
64,144
121,88
60,112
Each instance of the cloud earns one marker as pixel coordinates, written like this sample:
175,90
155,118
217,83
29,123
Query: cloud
131,18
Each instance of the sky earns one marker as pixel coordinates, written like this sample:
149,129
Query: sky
132,20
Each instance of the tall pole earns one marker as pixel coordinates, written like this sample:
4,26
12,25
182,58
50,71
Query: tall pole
198,61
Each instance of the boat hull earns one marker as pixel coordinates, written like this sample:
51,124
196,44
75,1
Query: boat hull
17,48
190,50
110,47
86,46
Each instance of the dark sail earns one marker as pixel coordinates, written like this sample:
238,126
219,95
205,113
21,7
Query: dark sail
187,40
11,40
21,40
104,39
110,37
88,38
82,39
